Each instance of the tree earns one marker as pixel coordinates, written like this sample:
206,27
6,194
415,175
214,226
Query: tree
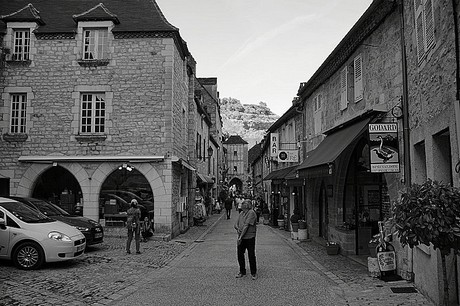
430,214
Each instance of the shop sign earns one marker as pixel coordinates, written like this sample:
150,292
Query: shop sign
274,144
384,147
288,156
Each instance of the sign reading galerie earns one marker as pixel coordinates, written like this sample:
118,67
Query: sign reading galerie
288,156
274,144
384,147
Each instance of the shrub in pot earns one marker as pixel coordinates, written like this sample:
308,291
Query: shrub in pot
295,221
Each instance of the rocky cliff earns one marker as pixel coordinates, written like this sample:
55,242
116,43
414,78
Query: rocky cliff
250,121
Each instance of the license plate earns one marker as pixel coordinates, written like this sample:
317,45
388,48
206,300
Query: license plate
80,247
98,235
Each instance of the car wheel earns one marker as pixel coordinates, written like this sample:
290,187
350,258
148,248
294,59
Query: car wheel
28,256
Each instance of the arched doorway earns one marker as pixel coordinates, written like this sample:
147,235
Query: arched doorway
236,184
120,187
323,212
59,186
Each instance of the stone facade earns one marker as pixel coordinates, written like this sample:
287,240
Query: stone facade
147,84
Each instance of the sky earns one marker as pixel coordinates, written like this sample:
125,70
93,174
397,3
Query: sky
261,50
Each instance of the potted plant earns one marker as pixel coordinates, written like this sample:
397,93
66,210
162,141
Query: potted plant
281,221
266,214
303,232
430,214
372,245
332,248
295,217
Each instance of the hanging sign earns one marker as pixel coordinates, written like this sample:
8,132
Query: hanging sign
288,156
384,147
274,144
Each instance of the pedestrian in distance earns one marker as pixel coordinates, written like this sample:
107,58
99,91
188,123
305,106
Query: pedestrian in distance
134,227
228,206
146,229
246,229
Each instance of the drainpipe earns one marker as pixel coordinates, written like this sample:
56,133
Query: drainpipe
406,138
457,79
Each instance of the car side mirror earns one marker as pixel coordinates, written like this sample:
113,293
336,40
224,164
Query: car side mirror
2,223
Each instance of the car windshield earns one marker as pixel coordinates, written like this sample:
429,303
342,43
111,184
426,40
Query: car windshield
25,213
49,209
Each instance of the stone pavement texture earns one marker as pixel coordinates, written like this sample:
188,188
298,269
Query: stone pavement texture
199,268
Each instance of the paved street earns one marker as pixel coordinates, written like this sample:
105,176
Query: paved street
199,268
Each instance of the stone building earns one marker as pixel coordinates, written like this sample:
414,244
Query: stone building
97,107
237,163
381,112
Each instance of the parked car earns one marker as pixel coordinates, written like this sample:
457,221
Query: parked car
121,205
128,196
92,230
29,238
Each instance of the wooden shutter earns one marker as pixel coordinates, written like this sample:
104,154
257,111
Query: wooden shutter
429,24
358,78
317,114
343,88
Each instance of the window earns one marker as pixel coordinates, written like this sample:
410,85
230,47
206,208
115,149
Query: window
18,113
95,44
318,104
424,27
92,113
235,169
235,153
21,45
358,78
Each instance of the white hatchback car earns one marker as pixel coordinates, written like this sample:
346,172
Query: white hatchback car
29,238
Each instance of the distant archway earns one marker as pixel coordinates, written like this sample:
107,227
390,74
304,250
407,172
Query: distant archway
237,183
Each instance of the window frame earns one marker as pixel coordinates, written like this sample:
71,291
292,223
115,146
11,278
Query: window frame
94,114
20,127
21,51
96,44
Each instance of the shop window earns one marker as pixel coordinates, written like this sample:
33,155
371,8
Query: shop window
419,163
442,155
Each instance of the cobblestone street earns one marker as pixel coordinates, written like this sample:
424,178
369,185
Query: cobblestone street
107,275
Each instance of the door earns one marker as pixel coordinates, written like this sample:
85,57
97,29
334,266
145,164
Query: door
4,236
323,212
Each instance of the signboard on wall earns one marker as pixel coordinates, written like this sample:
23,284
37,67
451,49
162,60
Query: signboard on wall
288,156
384,147
274,144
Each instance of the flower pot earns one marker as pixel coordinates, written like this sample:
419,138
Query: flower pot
281,223
266,218
295,227
302,224
333,249
302,235
372,249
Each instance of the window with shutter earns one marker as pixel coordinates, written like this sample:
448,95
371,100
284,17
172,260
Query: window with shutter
424,27
343,88
358,78
318,113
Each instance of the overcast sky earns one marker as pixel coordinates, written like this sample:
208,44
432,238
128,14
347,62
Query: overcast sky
261,50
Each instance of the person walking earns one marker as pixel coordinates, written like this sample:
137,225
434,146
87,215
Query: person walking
134,227
228,206
246,229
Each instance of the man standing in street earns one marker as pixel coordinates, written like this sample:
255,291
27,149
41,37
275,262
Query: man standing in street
229,206
246,228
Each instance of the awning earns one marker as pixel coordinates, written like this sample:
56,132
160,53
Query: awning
183,162
279,174
205,178
334,144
